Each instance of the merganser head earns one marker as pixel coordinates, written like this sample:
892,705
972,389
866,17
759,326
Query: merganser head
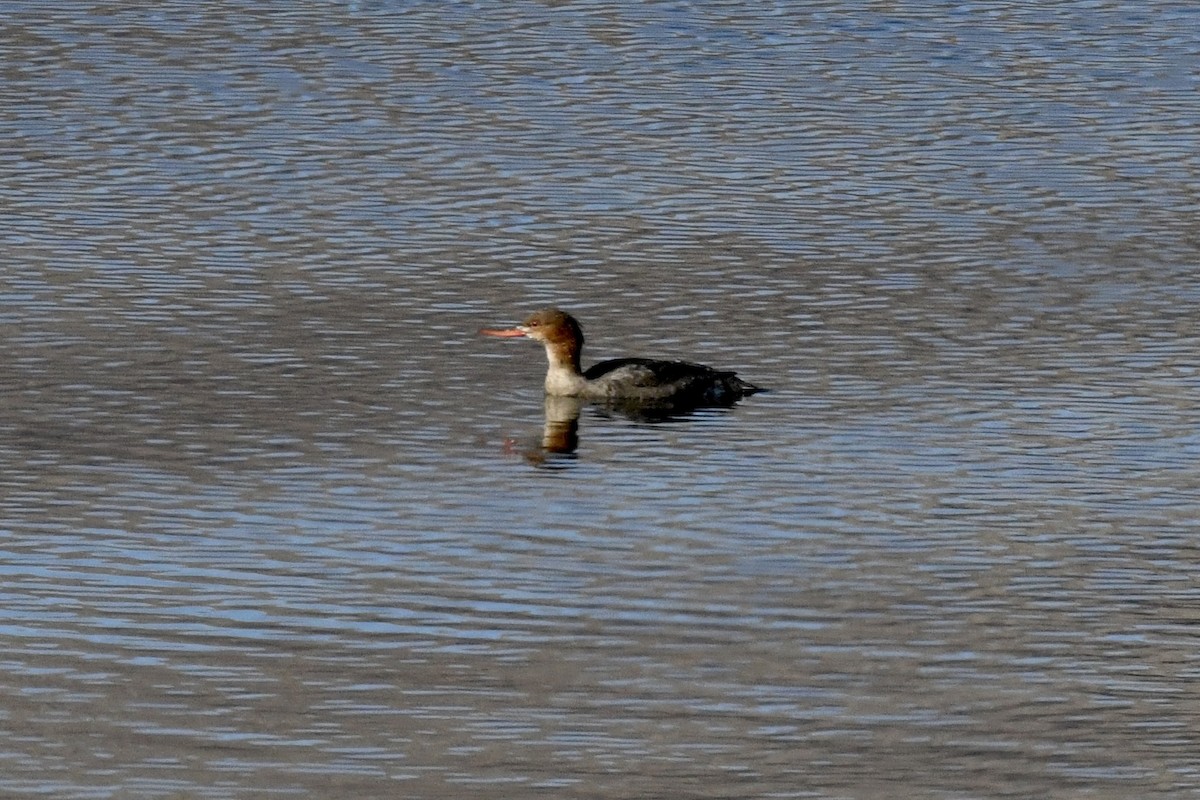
556,329
549,326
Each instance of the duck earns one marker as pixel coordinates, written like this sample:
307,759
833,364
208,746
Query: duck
622,381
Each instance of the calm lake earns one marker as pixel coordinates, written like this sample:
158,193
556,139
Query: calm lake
275,521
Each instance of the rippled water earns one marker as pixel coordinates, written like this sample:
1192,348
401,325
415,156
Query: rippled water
276,522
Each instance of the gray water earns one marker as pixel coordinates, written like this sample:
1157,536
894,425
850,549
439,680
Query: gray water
277,523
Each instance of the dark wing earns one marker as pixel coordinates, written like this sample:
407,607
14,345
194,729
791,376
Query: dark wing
649,372
677,384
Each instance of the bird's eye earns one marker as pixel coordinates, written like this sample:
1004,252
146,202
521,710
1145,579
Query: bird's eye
534,324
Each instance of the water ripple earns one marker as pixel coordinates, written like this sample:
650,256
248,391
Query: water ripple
272,518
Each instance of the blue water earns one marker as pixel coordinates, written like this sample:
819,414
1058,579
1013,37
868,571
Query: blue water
275,521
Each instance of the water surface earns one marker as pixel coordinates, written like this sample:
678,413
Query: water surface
276,522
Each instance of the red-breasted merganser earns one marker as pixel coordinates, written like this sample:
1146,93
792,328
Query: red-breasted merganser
622,381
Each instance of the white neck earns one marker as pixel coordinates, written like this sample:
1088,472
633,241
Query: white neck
563,378
562,381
